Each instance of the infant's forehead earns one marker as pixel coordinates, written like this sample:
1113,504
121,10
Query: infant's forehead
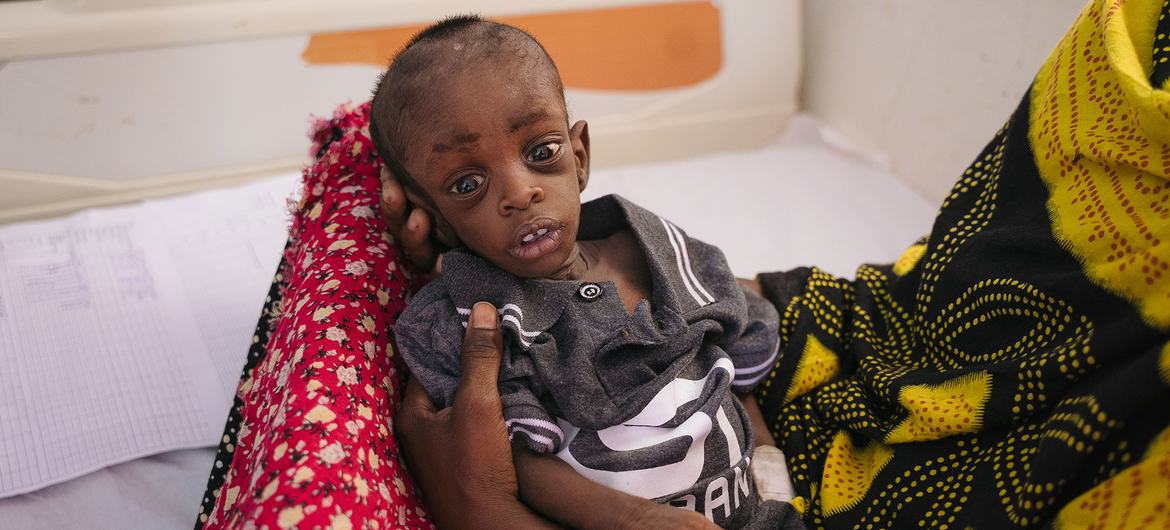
490,80
516,58
474,72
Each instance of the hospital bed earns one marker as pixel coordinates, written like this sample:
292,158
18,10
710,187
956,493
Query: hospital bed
203,118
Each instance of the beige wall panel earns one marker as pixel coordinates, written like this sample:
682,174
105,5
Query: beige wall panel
925,82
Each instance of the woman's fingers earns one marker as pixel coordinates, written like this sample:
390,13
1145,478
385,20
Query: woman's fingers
480,362
411,227
393,202
416,399
417,241
466,444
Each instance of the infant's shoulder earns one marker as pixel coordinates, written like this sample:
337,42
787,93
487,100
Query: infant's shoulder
693,253
434,292
429,336
698,268
613,214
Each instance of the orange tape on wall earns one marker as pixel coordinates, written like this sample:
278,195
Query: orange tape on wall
627,48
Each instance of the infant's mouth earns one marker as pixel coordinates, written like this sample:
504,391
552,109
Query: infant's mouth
536,238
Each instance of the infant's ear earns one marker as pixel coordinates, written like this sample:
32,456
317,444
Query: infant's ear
579,137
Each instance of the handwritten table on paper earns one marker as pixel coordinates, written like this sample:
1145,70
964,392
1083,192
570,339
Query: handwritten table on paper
123,330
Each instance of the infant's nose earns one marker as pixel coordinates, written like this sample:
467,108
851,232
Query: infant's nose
521,197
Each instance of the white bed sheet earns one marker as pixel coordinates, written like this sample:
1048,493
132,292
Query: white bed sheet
798,202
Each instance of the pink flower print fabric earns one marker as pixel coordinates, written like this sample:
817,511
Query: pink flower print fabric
309,443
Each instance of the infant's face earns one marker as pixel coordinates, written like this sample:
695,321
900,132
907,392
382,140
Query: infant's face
502,167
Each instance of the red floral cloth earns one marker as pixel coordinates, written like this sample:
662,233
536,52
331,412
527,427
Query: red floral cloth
313,447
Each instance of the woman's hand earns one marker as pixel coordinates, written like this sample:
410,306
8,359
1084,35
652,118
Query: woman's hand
411,227
460,456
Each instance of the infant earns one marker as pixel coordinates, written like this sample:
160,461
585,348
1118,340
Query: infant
625,340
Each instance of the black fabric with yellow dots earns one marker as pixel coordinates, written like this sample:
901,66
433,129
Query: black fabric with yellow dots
1161,59
1012,369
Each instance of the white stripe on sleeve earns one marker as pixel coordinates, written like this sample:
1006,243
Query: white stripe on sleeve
678,261
687,261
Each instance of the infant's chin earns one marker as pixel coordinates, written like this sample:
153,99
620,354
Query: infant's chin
550,266
533,271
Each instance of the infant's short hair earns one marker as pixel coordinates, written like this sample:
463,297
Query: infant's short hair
415,68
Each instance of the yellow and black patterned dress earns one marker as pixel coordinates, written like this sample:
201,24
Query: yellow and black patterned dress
1013,368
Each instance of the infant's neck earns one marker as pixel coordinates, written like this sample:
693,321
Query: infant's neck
615,258
599,260
581,260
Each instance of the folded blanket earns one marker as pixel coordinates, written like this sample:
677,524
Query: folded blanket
1013,369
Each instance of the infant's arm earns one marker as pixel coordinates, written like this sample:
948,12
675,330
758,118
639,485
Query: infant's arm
553,488
754,354
761,434
755,349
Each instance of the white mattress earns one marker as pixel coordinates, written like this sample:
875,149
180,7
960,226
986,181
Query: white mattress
798,202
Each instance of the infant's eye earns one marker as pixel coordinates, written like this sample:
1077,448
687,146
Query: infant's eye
466,184
545,151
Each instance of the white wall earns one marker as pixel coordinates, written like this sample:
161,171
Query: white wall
927,82
119,125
